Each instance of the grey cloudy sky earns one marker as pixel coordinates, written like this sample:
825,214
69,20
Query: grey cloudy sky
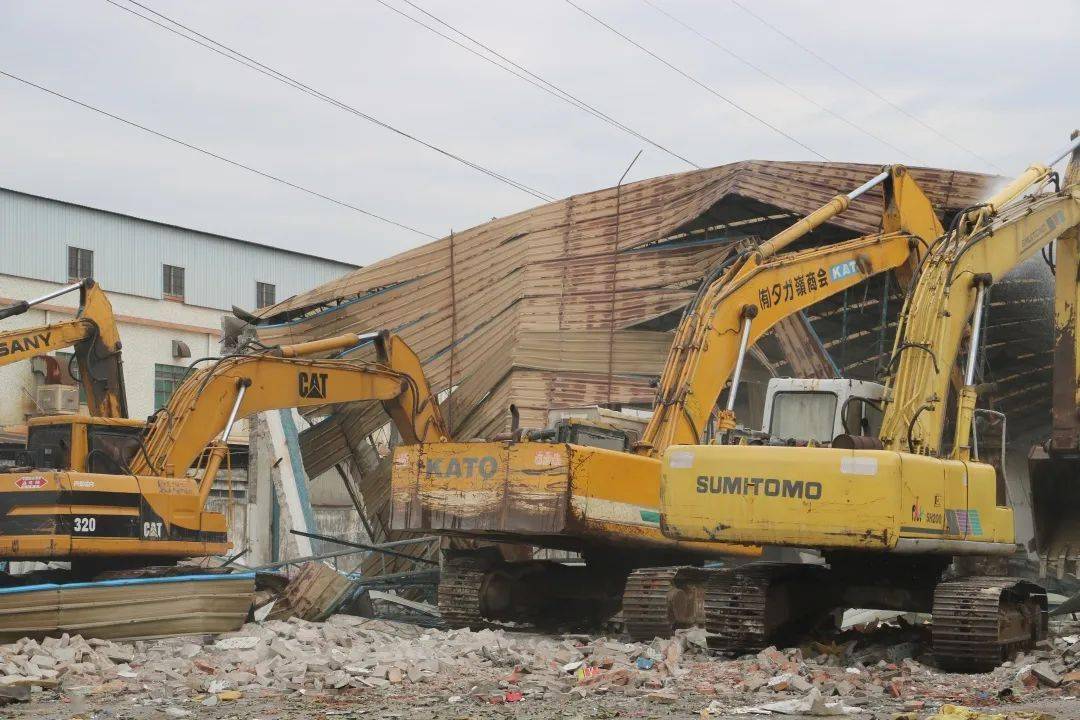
996,77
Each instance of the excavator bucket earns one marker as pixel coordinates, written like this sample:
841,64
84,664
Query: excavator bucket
1055,505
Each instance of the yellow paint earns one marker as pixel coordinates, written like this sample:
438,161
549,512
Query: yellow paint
73,510
200,407
824,497
875,499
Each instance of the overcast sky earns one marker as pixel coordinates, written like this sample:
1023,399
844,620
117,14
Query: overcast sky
995,77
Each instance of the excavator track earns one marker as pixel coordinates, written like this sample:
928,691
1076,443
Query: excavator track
646,606
760,604
460,585
658,601
981,621
735,609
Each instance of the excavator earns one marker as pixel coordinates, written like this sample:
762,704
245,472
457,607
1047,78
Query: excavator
94,335
890,511
109,500
590,489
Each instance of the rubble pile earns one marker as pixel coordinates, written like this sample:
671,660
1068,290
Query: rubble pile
350,656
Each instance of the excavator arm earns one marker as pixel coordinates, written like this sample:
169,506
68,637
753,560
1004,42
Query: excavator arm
415,412
96,340
210,400
1054,466
759,288
749,306
981,247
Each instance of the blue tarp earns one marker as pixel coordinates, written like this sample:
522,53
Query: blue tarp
118,583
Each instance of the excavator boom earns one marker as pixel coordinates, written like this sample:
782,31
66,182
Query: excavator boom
952,283
761,288
94,335
209,400
749,305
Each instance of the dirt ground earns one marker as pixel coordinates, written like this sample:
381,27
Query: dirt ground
378,704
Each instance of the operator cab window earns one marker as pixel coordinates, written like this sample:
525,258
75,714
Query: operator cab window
48,447
803,416
112,448
862,417
589,436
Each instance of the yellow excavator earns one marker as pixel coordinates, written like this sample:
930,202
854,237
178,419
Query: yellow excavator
888,511
107,496
94,335
589,488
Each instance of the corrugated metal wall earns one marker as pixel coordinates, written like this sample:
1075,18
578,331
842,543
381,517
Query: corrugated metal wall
219,272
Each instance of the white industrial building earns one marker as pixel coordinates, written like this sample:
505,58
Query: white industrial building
169,288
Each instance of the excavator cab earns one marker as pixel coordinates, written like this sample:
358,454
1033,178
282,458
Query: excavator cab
800,411
81,444
586,433
591,426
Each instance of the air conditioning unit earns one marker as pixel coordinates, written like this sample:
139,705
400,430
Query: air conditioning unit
57,399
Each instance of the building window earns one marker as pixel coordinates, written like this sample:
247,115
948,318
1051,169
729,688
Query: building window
264,295
166,379
172,282
80,263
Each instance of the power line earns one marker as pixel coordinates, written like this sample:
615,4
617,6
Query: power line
697,82
523,73
214,155
778,81
867,88
253,64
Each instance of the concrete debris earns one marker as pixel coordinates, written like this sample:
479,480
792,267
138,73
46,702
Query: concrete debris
813,705
364,659
1046,674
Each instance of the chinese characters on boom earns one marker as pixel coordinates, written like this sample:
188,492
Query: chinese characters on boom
802,284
